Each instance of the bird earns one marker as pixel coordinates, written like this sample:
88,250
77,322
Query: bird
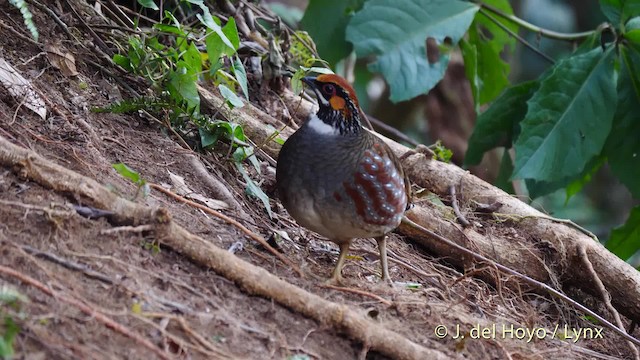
337,178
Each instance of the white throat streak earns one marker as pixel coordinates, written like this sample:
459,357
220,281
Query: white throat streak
320,127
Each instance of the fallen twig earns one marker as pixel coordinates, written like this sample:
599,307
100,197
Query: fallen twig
233,222
108,322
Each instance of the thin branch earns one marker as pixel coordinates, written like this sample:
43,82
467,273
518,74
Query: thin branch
391,130
456,209
108,322
515,35
606,297
533,28
233,222
359,292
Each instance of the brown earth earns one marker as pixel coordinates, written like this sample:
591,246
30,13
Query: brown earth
137,291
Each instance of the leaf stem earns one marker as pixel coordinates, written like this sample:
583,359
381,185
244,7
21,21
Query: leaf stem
515,35
533,28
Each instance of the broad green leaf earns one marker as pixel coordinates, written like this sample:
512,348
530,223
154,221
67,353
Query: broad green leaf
207,137
470,58
625,240
568,118
326,21
148,4
491,41
618,11
241,75
397,31
254,190
128,173
228,35
540,188
216,44
182,86
230,96
497,125
123,61
623,147
192,59
171,29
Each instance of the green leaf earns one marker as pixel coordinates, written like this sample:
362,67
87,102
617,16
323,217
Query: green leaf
216,44
622,147
470,58
326,21
396,31
618,11
182,86
230,96
207,138
576,182
254,190
192,59
123,61
241,75
150,4
625,240
128,173
568,118
491,42
228,35
497,125
171,29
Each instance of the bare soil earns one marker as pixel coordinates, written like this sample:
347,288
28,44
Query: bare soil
189,311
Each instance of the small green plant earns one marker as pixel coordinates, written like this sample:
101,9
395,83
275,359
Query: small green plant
11,302
134,177
27,16
186,55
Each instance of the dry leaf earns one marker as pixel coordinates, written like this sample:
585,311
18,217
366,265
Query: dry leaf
21,89
63,61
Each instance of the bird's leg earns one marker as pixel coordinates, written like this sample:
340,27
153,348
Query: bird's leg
336,278
382,247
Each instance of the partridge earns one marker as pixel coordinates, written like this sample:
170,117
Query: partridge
337,178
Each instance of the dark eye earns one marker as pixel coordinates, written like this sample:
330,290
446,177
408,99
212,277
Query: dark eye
329,89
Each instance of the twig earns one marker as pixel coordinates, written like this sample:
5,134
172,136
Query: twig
129,229
456,209
108,322
533,28
552,219
606,297
393,131
357,291
515,35
527,279
233,222
68,264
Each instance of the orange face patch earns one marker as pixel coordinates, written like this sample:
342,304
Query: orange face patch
337,103
339,81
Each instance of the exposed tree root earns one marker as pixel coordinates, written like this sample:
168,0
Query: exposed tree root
252,279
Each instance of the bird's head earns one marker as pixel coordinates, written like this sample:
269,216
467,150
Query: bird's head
338,102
